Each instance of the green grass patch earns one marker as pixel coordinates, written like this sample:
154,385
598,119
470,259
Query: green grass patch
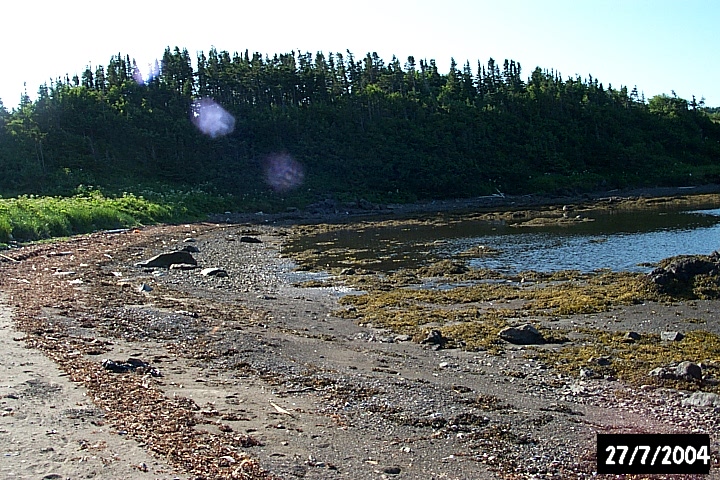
29,218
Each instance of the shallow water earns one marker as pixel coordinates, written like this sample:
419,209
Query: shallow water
619,241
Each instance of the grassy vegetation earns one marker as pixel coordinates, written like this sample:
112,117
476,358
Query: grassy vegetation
29,217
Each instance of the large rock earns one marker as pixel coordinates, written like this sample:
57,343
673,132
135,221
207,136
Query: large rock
522,335
164,260
703,399
671,336
686,370
683,269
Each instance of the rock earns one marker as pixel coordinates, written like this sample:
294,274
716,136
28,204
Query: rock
659,372
522,335
601,361
164,260
246,239
443,268
682,270
213,272
190,248
189,240
688,371
671,336
631,337
587,373
144,288
347,271
702,399
403,338
434,337
392,470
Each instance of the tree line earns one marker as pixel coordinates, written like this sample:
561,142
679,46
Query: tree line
358,126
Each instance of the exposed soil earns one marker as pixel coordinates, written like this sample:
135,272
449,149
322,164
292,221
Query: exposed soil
252,376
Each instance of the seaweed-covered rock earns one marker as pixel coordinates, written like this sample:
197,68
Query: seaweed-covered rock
443,268
683,269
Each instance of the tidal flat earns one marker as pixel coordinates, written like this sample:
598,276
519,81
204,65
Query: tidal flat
469,307
293,364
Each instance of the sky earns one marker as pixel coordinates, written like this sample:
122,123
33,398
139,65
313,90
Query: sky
660,46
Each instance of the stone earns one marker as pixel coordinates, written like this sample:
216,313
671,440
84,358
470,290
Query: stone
659,372
246,239
702,399
164,260
631,337
436,338
191,249
213,272
682,270
189,240
522,335
588,373
688,371
601,361
144,288
392,470
671,336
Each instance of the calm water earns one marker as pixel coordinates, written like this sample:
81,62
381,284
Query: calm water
617,241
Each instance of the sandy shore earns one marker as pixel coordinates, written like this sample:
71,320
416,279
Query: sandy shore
50,429
246,375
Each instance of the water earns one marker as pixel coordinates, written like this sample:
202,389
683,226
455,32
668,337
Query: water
630,249
619,241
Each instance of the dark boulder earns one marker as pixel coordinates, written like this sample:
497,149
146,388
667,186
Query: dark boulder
246,239
164,260
682,270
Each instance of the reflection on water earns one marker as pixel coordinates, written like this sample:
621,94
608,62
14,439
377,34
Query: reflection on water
620,241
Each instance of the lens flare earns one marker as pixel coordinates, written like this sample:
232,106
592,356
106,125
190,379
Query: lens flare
211,119
143,77
283,173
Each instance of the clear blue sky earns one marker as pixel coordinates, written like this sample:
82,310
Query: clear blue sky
658,45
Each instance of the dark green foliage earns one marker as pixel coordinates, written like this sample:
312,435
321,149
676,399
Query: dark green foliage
360,127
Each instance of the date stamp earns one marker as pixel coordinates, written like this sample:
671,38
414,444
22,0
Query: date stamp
653,453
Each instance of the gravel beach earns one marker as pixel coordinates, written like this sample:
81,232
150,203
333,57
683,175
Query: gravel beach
229,369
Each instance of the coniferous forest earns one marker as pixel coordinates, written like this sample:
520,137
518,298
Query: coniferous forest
351,127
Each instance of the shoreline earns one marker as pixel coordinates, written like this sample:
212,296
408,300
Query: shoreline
331,211
249,356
